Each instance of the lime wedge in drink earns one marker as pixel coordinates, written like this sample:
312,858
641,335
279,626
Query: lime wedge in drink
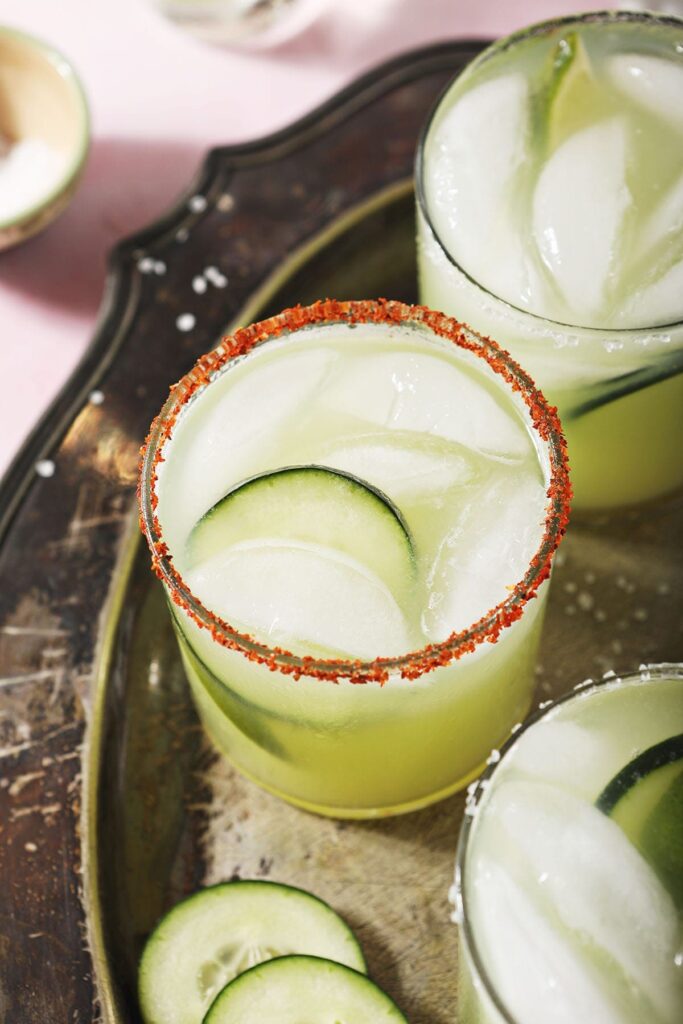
567,97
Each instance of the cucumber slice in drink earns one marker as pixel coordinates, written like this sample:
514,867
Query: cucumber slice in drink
312,505
293,989
214,935
646,800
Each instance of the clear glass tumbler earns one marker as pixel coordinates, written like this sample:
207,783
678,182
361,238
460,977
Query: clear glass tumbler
359,736
617,383
243,23
569,876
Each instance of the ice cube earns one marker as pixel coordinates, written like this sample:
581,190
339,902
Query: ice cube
598,885
303,596
566,754
653,82
410,391
665,223
578,208
479,147
228,435
401,464
658,303
488,121
537,970
487,549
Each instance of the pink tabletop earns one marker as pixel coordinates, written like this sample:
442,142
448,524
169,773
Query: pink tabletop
159,99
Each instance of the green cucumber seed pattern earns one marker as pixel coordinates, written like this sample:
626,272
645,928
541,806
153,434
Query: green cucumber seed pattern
217,933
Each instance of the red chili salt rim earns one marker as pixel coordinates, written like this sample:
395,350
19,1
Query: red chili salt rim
381,311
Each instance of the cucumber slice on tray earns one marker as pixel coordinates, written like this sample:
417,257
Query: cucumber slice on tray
293,989
646,800
312,505
221,931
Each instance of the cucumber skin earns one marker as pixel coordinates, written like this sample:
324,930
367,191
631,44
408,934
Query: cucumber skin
214,1014
146,999
198,547
663,846
313,469
666,752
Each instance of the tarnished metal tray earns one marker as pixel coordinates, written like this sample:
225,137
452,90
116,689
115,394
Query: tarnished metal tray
112,805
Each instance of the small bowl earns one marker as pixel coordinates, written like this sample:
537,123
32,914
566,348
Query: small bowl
41,99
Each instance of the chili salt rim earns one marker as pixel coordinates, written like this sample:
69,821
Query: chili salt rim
544,420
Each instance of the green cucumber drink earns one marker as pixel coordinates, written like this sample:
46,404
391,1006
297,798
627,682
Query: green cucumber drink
569,881
354,509
550,216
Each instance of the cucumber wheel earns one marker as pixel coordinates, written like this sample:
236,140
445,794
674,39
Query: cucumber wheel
303,988
311,505
214,935
646,800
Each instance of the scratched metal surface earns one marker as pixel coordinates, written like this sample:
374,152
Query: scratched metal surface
99,837
252,212
183,817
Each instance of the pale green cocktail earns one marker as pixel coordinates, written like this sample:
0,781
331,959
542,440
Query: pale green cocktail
550,216
569,881
346,496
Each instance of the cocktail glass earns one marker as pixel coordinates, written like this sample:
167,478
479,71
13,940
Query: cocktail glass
615,374
243,23
361,736
569,872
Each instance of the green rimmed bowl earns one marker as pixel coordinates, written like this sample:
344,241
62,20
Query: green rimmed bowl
41,97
